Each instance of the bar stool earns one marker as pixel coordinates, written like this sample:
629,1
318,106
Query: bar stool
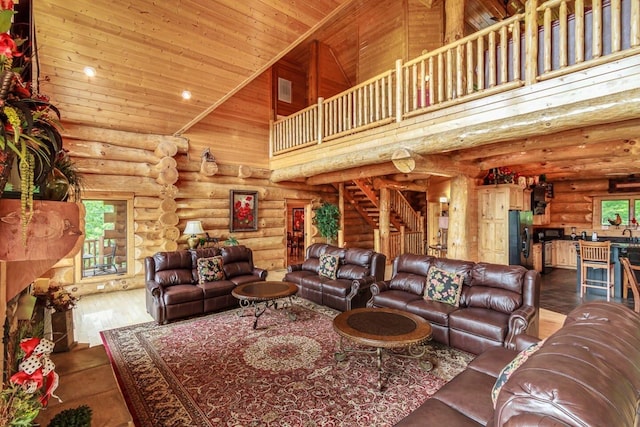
631,282
596,255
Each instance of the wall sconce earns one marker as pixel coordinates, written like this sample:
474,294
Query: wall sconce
192,229
444,199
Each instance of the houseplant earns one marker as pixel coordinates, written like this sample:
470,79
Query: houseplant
30,129
74,417
326,220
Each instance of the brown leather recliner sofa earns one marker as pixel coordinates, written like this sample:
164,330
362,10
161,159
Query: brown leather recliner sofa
173,291
585,374
357,270
497,302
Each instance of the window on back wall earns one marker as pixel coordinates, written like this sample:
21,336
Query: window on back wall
607,209
107,249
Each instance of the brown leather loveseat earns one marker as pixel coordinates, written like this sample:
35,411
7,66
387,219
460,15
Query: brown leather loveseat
497,302
585,374
356,271
173,288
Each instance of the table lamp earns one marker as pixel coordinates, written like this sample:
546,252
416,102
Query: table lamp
193,228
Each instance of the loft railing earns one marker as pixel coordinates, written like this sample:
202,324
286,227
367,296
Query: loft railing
559,37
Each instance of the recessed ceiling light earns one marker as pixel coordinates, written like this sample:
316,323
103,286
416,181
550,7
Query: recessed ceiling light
90,71
186,94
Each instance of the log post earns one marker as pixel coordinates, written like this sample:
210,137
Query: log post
385,221
341,210
462,225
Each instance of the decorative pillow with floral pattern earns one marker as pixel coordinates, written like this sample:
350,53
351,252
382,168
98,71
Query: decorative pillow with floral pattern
511,367
210,269
443,286
329,266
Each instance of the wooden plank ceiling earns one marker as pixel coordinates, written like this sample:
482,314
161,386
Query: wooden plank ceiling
146,52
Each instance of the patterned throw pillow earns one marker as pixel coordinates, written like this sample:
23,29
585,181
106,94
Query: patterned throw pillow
443,286
328,266
510,369
210,269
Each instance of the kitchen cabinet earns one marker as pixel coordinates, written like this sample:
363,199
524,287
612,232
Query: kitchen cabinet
494,203
564,254
536,253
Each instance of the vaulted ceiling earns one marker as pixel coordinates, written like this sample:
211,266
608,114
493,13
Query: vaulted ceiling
146,52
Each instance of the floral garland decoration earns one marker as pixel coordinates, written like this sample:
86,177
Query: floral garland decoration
29,123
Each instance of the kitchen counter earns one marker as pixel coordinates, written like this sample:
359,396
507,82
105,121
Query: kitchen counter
618,249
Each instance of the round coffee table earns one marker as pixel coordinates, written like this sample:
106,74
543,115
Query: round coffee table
263,295
383,329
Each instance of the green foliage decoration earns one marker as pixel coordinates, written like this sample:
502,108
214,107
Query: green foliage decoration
77,417
17,407
231,241
327,219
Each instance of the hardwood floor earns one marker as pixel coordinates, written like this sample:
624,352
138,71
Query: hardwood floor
98,312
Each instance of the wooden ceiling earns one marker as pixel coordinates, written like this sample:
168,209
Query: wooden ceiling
146,52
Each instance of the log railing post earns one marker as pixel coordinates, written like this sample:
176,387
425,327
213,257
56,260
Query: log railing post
271,136
399,87
531,41
320,119
635,24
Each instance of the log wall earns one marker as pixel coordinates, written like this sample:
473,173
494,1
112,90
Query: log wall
572,206
171,183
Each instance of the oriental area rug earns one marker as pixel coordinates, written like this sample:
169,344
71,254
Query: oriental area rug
218,371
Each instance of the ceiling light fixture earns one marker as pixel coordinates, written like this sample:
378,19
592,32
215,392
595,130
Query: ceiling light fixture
186,94
89,71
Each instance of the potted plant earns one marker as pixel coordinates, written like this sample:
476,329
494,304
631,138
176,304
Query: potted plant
60,302
326,219
75,417
231,241
29,123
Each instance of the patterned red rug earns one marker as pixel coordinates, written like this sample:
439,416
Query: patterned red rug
216,370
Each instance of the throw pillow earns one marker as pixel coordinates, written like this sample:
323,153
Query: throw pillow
510,369
210,269
328,266
443,286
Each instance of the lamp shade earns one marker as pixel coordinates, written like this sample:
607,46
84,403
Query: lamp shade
193,227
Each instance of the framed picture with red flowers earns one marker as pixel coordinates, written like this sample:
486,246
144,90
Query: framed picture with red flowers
243,207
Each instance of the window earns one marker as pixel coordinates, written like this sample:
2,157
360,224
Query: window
607,208
109,231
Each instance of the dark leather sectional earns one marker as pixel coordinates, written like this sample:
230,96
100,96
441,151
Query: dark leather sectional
173,291
585,374
497,303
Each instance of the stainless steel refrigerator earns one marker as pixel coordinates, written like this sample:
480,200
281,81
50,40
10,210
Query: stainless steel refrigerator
520,235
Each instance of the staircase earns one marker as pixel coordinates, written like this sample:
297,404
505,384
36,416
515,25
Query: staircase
365,199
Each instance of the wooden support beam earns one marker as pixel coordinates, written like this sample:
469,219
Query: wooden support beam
435,164
379,183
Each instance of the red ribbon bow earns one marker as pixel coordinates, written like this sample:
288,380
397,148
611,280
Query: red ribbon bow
36,369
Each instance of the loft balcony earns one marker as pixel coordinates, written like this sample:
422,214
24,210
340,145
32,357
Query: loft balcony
558,66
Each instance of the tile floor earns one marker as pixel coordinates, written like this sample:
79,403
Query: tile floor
558,292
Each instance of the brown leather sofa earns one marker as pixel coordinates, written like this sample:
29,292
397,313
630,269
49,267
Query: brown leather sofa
357,270
497,302
173,291
585,374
